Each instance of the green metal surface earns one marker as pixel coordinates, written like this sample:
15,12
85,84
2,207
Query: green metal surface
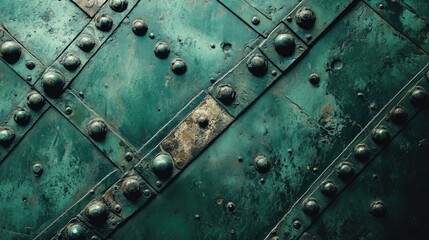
214,119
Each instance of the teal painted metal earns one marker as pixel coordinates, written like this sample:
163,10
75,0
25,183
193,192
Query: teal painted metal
212,119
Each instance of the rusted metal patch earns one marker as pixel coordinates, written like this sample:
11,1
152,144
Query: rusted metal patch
202,125
90,7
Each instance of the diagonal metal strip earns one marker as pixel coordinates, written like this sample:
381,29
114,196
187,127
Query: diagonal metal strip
347,166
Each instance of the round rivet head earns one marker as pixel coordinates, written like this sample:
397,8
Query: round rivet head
71,62
6,136
118,5
226,94
310,207
131,188
178,66
377,209
257,65
86,43
128,156
297,224
418,96
53,83
35,100
162,165
139,27
284,44
104,22
10,51
37,169
305,17
262,164
345,170
314,79
97,129
75,232
21,117
328,188
162,50
203,122
30,65
361,152
230,206
256,20
381,135
97,212
398,115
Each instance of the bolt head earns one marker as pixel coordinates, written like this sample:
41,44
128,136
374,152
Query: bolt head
162,165
10,51
398,115
6,136
257,65
377,209
284,44
104,22
310,207
118,5
97,212
262,164
97,129
75,232
381,135
345,170
38,169
86,43
21,117
305,17
178,66
362,152
418,96
226,94
162,50
53,83
35,100
131,188
71,62
139,27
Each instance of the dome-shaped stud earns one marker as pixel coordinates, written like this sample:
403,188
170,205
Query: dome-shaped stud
314,79
131,188
284,44
21,117
361,152
7,136
262,164
10,51
398,115
139,27
53,83
75,232
118,5
162,50
35,100
37,169
305,18
71,62
86,43
97,212
162,165
418,96
104,22
381,135
310,207
345,171
328,188
257,65
377,209
203,122
96,129
230,207
178,66
225,94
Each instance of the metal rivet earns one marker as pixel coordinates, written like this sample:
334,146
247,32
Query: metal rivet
131,188
35,100
213,45
151,35
328,188
398,115
418,96
381,135
361,152
230,206
139,27
257,65
11,51
274,73
345,170
68,110
158,183
262,164
21,117
381,6
147,193
297,224
104,22
38,169
256,20
6,136
225,94
29,78
308,37
305,17
162,50
30,65
71,62
162,165
97,129
314,79
117,208
284,44
53,83
178,66
86,43
128,156
97,212
203,122
377,209
197,217
118,5
310,207
289,18
76,232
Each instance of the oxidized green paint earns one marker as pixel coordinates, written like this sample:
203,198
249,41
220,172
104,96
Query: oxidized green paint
248,119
